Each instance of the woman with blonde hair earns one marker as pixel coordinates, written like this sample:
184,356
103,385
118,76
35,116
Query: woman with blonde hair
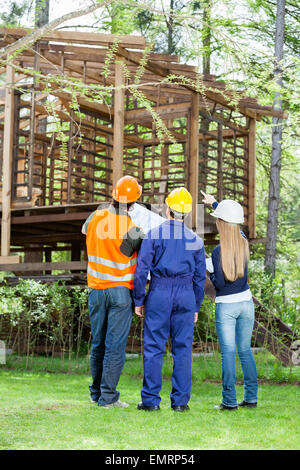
234,306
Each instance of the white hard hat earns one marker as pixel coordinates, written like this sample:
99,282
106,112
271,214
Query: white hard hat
230,211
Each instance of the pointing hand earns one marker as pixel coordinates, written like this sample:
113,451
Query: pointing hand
208,198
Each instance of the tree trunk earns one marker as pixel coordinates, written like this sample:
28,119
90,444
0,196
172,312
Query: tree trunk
41,13
274,186
206,60
204,125
206,36
170,25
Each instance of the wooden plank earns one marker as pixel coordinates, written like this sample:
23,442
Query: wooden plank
76,37
194,156
57,266
35,219
7,162
252,179
214,116
10,259
212,135
268,340
46,238
119,112
99,54
265,110
165,110
101,129
99,108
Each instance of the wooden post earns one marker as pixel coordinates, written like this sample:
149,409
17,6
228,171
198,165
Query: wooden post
140,154
164,163
108,175
194,155
70,156
51,174
252,179
203,152
220,163
118,143
48,257
76,252
245,176
7,168
32,129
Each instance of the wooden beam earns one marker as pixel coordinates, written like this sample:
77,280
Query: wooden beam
57,266
194,156
85,52
10,259
99,108
164,110
265,110
37,219
119,112
76,37
7,162
46,238
217,117
252,179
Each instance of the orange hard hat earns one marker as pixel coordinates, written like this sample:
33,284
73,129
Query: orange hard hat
127,189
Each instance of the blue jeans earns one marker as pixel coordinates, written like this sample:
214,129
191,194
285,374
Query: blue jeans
110,313
234,322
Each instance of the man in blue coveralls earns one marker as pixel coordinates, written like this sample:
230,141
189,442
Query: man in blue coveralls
175,257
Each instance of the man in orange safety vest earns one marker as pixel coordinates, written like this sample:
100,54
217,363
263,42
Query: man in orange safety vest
112,241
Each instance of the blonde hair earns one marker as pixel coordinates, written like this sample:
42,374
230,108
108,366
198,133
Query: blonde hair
234,250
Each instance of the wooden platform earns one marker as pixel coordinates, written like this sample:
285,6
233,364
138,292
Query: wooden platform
50,229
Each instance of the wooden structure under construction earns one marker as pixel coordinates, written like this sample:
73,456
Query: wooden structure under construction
58,164
52,179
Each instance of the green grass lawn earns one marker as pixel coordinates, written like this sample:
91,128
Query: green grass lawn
50,410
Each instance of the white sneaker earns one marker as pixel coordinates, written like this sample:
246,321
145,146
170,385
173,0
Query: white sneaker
116,404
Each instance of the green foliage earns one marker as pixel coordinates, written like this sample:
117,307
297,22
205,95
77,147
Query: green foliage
280,295
120,19
34,316
12,17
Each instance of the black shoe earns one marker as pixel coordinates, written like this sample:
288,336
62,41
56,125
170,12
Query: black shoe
141,406
245,404
223,407
181,408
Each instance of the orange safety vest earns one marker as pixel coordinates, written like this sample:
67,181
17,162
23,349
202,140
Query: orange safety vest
107,265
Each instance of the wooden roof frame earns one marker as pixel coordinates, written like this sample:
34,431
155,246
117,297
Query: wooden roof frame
160,65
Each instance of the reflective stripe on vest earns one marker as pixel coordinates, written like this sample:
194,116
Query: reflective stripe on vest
109,277
111,264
